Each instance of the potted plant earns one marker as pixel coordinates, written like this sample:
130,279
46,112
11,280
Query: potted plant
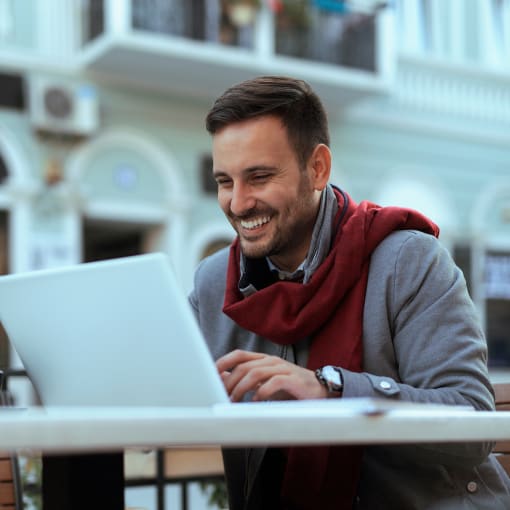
216,491
293,14
242,12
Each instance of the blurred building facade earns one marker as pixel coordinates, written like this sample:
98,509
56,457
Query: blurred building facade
103,150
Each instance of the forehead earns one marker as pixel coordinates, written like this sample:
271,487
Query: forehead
253,143
259,129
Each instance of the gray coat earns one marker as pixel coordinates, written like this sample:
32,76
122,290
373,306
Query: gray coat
422,336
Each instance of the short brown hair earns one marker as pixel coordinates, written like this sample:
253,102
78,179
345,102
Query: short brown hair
293,101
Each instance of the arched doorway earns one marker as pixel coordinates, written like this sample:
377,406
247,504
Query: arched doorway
490,263
17,187
406,187
4,261
209,239
130,197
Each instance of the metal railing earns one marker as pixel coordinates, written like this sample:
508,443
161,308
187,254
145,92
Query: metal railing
32,487
303,29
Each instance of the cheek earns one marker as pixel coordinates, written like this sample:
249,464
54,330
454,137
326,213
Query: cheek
224,201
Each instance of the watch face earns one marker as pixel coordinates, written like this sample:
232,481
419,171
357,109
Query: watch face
330,374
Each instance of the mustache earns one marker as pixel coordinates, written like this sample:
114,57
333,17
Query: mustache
252,213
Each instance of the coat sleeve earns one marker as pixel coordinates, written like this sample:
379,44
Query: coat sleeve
423,339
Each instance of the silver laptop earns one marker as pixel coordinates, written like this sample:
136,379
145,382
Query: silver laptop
113,333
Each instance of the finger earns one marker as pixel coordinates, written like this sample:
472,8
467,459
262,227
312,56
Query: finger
299,383
280,387
275,388
230,360
251,381
251,373
224,376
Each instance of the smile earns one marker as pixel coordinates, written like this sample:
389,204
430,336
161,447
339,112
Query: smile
257,222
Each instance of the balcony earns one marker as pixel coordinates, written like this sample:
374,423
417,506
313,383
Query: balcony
199,48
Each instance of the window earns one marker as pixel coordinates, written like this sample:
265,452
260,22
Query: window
327,32
495,301
104,240
4,269
209,185
500,14
497,307
12,93
93,19
462,257
213,21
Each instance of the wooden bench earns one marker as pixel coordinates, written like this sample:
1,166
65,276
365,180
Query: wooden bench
502,448
10,479
10,489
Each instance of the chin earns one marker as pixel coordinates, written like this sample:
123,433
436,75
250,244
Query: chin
254,252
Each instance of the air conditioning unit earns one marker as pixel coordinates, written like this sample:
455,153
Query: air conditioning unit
63,107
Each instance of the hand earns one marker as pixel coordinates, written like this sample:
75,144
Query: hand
269,377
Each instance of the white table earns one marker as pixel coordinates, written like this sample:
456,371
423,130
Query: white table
360,421
104,430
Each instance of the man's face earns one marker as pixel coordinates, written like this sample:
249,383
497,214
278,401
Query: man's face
269,201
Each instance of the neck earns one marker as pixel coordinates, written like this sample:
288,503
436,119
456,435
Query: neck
285,268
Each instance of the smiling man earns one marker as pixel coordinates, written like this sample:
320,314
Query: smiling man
321,297
270,201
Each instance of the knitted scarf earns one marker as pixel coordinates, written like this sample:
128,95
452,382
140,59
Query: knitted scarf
328,309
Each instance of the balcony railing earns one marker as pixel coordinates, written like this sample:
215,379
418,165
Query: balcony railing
199,47
327,32
52,34
202,46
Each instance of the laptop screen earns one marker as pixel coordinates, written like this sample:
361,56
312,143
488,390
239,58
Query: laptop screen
111,333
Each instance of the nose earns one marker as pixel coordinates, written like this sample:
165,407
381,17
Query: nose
242,199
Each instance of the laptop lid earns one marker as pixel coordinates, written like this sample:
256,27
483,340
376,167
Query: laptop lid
112,333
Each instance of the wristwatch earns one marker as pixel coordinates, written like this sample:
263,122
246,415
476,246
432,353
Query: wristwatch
331,377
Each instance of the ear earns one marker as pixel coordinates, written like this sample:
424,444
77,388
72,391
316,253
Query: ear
319,166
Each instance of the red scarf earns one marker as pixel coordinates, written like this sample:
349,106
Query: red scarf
329,308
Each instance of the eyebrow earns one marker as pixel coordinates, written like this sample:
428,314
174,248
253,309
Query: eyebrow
247,171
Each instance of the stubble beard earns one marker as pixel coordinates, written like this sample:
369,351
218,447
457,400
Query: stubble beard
289,236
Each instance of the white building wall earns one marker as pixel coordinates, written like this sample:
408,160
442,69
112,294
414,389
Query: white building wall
437,139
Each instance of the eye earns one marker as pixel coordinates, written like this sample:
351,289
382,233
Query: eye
261,177
223,182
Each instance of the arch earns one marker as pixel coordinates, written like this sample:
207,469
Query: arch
206,235
15,196
166,218
14,158
486,237
405,188
497,189
162,162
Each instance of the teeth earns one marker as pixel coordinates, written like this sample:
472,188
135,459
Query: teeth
255,223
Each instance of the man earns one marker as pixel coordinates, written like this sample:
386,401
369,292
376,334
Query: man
319,297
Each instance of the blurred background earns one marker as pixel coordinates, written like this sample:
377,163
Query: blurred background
103,150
